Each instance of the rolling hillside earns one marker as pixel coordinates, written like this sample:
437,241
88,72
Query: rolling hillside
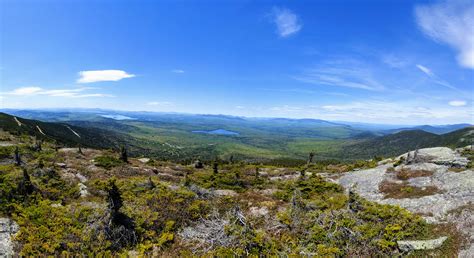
62,133
398,143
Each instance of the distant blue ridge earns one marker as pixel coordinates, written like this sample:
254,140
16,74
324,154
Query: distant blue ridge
217,132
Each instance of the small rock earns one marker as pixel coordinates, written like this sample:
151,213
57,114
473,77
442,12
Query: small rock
407,246
83,190
81,178
258,211
225,193
268,191
61,165
56,205
144,160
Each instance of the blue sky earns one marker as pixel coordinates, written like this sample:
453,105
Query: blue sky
398,62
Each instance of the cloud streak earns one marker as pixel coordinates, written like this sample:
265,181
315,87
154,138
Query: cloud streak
425,70
160,103
452,23
103,75
457,103
67,93
286,21
435,78
342,76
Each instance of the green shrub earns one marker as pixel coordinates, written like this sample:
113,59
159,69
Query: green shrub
107,162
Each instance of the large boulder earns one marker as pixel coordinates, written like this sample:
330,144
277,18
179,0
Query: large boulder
8,228
437,155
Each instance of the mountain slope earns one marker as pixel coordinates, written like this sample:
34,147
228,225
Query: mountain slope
61,132
404,141
436,129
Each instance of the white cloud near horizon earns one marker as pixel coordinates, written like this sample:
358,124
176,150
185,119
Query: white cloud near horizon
103,75
387,112
177,71
450,22
457,103
68,93
286,21
160,103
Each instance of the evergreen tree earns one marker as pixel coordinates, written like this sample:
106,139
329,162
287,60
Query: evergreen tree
215,167
115,201
123,154
17,156
311,156
25,186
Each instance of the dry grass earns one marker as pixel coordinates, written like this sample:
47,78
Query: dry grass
405,174
450,248
454,169
394,190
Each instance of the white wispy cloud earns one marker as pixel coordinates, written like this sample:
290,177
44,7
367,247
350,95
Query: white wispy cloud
425,69
393,61
68,93
350,76
160,103
177,71
286,21
435,78
103,75
450,22
457,103
378,111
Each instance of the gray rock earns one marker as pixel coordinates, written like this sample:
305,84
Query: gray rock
83,190
81,178
258,211
61,165
438,155
225,193
144,160
408,246
8,228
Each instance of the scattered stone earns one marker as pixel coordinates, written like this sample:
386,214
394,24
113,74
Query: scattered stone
144,160
81,178
83,190
268,191
225,193
56,205
408,246
8,228
258,211
61,165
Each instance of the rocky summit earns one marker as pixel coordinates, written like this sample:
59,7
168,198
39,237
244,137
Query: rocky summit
433,182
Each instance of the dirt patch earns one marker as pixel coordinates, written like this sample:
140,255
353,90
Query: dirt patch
395,190
405,174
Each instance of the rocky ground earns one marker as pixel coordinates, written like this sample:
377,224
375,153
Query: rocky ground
434,183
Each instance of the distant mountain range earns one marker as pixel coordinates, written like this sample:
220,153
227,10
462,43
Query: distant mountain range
184,137
436,129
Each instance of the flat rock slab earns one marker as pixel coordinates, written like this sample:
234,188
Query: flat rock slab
8,228
408,246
